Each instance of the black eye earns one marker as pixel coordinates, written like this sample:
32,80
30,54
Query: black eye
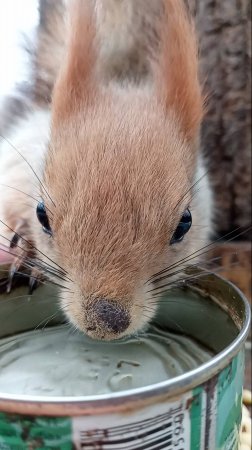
182,228
43,219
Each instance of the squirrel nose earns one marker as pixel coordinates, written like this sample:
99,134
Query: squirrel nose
111,315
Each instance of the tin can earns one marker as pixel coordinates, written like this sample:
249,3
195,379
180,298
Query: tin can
199,410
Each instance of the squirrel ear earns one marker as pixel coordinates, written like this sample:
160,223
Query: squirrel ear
75,83
176,70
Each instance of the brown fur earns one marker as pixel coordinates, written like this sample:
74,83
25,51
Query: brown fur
119,162
177,80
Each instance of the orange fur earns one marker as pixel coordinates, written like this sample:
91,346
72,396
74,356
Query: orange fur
177,69
76,80
118,165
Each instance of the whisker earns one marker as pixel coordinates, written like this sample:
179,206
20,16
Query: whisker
182,282
27,265
193,185
169,275
27,162
46,321
182,269
33,247
157,288
45,282
197,254
30,263
18,297
49,271
19,190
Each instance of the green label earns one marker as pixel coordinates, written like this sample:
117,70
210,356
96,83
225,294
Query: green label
42,433
215,411
196,418
229,404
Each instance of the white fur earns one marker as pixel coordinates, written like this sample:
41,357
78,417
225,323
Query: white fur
203,199
30,138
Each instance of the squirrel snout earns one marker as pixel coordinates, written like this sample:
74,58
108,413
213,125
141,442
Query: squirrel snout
109,315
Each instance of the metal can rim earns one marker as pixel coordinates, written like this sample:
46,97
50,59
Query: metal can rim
168,389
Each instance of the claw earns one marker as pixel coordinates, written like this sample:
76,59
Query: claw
33,284
21,271
3,285
14,268
34,280
12,272
14,241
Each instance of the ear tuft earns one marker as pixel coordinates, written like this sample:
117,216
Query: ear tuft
75,83
176,71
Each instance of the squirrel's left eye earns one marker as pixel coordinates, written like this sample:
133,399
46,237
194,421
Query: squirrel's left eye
43,218
182,228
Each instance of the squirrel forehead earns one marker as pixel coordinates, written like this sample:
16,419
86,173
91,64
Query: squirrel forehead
107,155
121,131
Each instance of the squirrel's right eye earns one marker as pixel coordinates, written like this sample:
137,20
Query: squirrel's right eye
43,218
182,228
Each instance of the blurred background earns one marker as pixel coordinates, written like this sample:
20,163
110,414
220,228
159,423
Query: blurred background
224,30
18,21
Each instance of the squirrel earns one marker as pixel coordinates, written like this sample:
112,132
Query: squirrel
103,187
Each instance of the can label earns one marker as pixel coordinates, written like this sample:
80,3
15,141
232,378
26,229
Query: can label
206,418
